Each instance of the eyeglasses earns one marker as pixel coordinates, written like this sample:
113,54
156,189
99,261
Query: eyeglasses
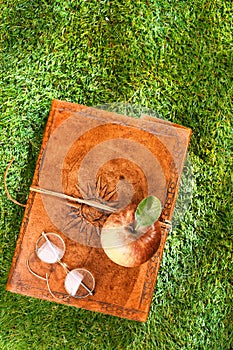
50,248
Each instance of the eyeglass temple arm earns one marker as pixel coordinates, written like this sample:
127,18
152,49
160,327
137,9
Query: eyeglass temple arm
50,291
29,268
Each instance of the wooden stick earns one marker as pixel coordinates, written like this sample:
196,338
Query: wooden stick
90,203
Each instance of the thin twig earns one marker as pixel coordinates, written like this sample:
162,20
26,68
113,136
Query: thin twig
90,203
5,186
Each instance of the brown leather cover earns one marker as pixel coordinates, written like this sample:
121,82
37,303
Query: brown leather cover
74,142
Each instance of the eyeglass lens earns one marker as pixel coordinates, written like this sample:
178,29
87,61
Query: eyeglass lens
50,248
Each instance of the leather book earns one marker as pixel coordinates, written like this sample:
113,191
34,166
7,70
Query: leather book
97,155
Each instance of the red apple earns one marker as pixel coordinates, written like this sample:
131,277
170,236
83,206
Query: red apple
125,245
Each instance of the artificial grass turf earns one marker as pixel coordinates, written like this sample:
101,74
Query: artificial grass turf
174,57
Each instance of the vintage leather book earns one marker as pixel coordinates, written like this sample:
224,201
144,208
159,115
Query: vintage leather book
84,151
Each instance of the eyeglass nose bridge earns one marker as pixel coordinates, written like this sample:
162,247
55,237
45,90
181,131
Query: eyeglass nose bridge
64,265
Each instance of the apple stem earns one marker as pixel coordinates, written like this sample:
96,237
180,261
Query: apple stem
132,227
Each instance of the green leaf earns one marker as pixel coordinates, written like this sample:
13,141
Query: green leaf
148,211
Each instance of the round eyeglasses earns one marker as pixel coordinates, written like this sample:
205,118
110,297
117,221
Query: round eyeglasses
50,248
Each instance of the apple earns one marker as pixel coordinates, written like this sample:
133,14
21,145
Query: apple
125,243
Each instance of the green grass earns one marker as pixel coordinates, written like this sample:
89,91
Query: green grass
173,57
